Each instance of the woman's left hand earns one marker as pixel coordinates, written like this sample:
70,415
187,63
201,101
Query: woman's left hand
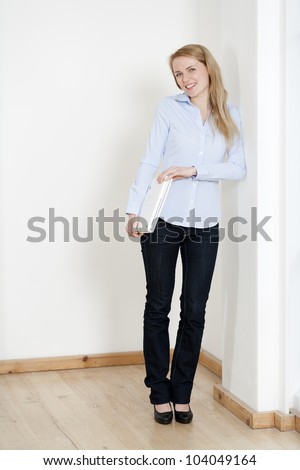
177,173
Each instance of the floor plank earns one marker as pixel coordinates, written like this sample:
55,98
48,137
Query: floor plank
108,408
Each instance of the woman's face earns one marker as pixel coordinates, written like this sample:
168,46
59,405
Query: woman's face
191,76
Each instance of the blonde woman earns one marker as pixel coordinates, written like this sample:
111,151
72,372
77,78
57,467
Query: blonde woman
196,140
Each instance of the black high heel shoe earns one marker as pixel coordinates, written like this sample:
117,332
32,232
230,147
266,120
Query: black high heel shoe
163,418
183,417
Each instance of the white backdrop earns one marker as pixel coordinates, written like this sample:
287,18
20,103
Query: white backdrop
80,80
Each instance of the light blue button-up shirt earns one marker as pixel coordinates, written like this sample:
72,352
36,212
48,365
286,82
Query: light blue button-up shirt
179,138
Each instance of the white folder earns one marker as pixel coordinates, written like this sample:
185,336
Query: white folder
152,205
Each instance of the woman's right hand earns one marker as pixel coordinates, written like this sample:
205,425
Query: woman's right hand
131,226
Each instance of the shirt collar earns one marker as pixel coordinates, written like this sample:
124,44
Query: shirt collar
183,97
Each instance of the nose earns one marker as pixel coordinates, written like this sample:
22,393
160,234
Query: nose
184,78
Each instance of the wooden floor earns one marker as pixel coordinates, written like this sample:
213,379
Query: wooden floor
108,408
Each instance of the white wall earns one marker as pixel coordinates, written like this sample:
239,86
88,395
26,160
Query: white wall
238,51
80,80
292,200
260,299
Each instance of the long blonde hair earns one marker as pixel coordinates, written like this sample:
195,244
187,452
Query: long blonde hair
217,93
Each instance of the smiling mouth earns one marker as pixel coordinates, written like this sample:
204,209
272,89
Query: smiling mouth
190,86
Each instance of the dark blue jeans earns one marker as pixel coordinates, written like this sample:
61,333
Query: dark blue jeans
160,249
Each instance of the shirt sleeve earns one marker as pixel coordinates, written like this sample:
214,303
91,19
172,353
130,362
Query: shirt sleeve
235,166
150,161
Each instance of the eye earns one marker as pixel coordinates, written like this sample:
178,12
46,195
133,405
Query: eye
192,69
178,74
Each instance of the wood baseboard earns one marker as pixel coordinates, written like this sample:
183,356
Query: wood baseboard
254,419
246,414
211,362
284,422
71,362
298,423
94,360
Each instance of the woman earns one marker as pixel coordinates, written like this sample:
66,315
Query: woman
196,140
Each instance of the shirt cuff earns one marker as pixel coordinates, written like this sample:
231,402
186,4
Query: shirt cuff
132,209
